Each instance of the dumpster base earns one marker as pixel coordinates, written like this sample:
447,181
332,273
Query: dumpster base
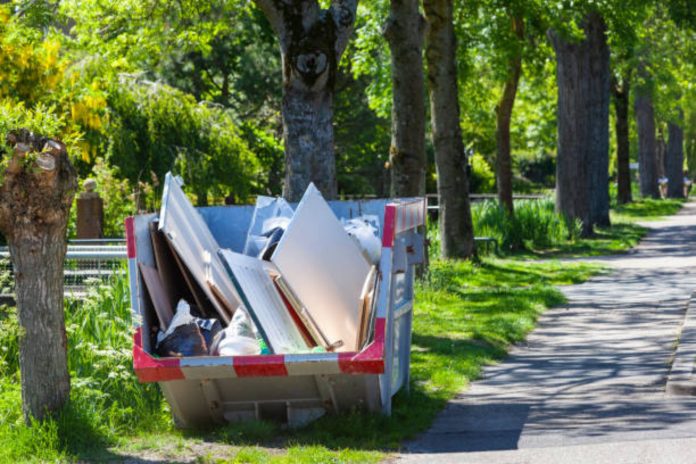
197,403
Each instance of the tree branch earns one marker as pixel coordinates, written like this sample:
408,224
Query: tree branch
274,14
343,13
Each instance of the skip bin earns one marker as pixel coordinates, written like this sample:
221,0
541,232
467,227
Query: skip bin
291,388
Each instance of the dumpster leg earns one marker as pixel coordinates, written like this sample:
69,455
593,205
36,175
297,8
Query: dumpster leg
212,397
327,393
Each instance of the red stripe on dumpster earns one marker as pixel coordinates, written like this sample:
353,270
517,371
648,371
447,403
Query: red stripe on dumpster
260,366
389,226
368,361
149,369
130,237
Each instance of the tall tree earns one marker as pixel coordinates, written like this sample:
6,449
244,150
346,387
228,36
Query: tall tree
503,112
621,89
582,173
456,227
647,144
674,160
312,41
404,31
35,197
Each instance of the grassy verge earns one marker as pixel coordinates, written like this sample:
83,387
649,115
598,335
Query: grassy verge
624,233
646,210
466,316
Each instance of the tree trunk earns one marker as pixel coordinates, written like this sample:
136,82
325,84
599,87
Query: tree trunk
312,41
456,228
404,32
309,142
582,169
660,153
647,146
621,96
503,114
675,159
35,200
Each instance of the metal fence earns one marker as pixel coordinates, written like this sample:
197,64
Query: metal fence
87,262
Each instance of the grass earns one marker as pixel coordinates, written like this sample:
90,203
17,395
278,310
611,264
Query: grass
646,210
466,317
539,232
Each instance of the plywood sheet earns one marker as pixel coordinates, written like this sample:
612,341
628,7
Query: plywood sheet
263,303
324,268
158,295
173,281
195,246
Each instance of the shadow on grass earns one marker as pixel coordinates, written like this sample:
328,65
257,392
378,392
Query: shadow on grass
465,318
617,239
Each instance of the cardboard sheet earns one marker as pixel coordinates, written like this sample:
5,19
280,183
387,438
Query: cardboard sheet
263,303
325,269
195,246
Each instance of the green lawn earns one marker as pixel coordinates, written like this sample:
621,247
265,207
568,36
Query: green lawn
646,210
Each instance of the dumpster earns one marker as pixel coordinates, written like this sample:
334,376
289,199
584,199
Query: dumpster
290,388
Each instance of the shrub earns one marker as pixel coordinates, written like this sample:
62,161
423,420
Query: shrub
535,224
482,176
540,168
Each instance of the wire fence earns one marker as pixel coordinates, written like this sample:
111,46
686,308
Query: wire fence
87,262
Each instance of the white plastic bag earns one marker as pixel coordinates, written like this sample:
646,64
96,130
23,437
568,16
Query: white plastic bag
363,231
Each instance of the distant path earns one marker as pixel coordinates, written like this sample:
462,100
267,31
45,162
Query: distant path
588,385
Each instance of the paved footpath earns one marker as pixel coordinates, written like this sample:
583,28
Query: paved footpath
588,385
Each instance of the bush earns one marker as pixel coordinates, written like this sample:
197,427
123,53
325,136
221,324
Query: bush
156,128
535,224
482,179
539,168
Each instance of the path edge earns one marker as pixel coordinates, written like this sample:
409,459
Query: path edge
682,378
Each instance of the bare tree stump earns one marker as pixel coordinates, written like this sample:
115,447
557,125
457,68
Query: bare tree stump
35,198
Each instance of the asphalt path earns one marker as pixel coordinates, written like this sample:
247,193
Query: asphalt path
588,385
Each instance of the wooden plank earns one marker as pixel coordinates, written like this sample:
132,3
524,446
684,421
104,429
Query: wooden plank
158,295
172,280
199,297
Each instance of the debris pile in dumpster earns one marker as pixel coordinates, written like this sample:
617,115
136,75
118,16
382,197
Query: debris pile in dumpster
304,282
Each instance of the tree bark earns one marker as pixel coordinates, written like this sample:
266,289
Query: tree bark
621,94
456,227
503,114
647,146
674,164
404,32
35,200
660,153
582,169
312,41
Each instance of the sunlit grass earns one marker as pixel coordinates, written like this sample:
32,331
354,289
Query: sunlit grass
466,316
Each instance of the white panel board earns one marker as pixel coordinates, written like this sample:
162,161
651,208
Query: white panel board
195,245
263,303
325,269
